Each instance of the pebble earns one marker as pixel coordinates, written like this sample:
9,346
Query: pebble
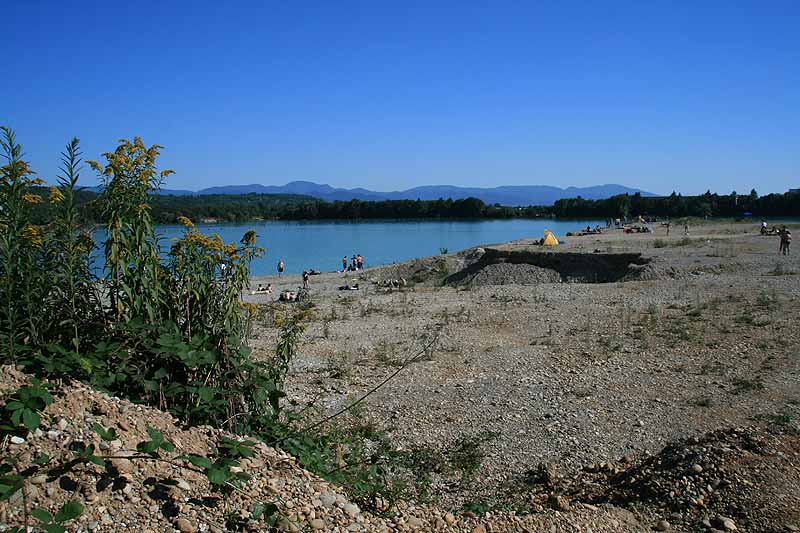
559,503
124,466
327,499
662,525
352,509
317,523
449,518
184,526
17,440
697,468
413,521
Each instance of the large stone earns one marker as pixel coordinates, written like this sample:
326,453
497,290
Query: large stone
413,521
662,525
548,473
184,526
352,509
327,499
317,524
124,466
559,503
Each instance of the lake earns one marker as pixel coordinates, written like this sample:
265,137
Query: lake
321,244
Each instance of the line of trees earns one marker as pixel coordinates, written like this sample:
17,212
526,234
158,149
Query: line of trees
676,205
239,208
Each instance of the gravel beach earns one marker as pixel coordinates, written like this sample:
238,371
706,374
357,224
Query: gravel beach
702,337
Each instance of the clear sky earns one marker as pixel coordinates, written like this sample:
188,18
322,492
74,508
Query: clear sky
659,95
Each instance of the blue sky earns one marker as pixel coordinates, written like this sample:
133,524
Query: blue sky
391,95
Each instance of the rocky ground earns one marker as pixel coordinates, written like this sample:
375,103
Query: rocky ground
703,338
666,400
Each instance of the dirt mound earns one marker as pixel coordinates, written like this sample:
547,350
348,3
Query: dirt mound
546,267
510,274
747,477
132,492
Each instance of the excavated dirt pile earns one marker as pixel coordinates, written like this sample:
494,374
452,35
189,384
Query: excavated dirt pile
501,267
744,479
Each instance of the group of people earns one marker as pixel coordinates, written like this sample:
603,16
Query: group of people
263,289
356,263
784,233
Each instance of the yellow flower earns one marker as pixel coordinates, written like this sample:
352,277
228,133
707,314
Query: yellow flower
55,195
37,181
33,234
249,237
184,221
252,309
32,198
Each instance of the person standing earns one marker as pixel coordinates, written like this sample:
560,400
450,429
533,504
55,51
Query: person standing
686,228
305,279
786,240
280,267
344,264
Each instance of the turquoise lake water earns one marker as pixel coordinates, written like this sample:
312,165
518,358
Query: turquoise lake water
321,244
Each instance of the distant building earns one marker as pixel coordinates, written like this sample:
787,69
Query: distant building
794,190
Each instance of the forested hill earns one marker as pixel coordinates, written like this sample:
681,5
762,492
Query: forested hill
244,207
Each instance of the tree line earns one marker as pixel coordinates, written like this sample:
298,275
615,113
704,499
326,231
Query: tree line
676,205
167,209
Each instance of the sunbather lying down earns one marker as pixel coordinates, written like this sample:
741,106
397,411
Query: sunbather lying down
395,283
349,287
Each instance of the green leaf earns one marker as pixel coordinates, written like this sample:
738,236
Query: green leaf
197,460
155,435
53,528
167,446
107,435
71,509
207,393
263,509
41,515
30,419
217,476
42,460
147,446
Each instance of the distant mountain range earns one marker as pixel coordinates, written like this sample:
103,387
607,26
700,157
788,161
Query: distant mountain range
516,195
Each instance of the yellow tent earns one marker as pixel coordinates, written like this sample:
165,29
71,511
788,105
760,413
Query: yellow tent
549,238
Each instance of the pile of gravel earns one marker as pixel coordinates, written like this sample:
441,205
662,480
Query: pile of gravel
511,274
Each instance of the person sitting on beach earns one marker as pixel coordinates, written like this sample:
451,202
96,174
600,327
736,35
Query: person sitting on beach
353,287
262,290
288,296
